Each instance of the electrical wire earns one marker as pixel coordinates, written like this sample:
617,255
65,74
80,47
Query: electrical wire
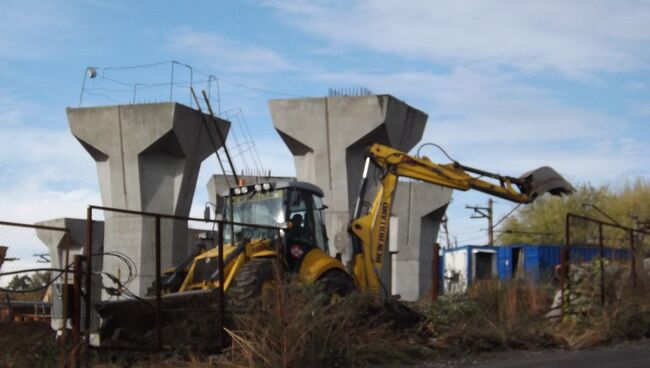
508,214
437,146
42,287
210,77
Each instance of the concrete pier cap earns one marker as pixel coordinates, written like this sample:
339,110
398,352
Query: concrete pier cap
148,158
328,137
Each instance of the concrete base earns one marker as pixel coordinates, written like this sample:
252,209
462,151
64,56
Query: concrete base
148,159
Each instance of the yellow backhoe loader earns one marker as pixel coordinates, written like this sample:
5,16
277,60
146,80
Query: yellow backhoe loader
298,207
293,212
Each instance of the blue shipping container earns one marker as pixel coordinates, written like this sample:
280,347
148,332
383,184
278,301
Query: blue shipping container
537,262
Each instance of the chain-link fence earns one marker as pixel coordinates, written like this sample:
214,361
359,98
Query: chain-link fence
32,272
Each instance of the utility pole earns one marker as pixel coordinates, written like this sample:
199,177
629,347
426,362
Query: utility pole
446,228
485,212
640,228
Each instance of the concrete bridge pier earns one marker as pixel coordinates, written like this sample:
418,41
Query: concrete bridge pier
148,158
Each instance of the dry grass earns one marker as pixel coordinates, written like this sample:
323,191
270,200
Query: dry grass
293,327
495,315
625,314
491,315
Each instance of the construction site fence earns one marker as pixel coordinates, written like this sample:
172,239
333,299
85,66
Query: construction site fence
128,269
598,258
35,282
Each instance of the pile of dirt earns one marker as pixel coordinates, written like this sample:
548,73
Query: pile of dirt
27,344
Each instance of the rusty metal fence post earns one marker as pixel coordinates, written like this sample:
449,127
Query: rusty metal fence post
76,310
87,289
565,296
602,263
633,266
65,292
158,286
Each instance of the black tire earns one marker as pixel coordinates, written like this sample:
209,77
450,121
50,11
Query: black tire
336,282
246,287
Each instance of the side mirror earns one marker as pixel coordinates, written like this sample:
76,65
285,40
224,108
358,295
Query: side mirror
206,213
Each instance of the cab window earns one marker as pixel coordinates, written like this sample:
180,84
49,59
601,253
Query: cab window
305,215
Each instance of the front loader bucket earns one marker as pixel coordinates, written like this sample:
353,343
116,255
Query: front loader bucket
545,180
188,317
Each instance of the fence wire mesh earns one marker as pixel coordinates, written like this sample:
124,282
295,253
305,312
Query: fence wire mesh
144,298
31,275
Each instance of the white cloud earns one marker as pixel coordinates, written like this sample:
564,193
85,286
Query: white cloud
33,30
598,162
574,38
29,206
479,105
45,173
225,54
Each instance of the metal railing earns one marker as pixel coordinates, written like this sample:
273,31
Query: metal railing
601,226
85,283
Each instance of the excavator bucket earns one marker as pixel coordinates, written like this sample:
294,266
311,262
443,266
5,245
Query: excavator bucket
545,180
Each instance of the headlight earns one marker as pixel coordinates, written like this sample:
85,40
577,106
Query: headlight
266,186
237,191
258,188
244,190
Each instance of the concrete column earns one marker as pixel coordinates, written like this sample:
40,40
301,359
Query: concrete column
148,159
56,243
420,208
328,137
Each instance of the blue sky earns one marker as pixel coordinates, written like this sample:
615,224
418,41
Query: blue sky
508,86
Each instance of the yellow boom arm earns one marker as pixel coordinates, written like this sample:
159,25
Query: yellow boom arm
370,231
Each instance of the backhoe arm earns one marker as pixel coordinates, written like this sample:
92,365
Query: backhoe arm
370,231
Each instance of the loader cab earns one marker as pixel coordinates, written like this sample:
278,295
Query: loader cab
295,206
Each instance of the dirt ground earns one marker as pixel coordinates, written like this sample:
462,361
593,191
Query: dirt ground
27,344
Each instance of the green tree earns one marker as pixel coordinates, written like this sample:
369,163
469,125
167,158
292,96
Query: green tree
29,282
543,221
20,282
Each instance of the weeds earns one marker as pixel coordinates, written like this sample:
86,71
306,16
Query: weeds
491,315
303,331
625,313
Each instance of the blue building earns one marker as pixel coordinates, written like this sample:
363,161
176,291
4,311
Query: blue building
537,262
460,267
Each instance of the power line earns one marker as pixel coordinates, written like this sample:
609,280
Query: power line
485,212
